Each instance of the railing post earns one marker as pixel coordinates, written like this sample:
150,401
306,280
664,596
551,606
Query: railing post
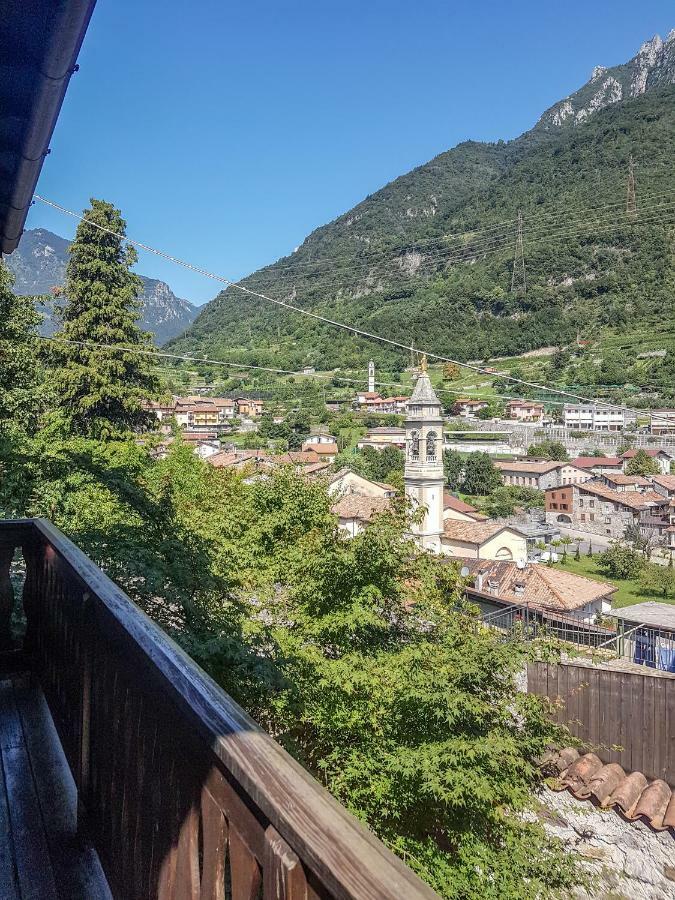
82,775
6,595
33,556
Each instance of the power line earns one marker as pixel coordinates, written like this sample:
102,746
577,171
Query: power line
518,279
359,332
631,200
164,354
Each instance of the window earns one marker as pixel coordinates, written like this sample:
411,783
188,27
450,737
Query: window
591,503
414,445
581,501
591,517
431,446
582,517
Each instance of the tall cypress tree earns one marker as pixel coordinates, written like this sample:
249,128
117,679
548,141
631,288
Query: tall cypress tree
99,386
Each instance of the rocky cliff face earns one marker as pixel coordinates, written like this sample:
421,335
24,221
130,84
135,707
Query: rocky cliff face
653,66
39,264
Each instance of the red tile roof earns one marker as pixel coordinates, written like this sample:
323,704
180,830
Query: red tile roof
541,586
630,794
536,467
632,499
588,462
665,481
629,454
452,502
471,532
320,449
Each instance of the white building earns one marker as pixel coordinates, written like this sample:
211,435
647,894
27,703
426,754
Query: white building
423,475
371,377
589,417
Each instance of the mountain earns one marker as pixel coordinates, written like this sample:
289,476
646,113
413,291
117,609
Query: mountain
39,264
653,66
429,258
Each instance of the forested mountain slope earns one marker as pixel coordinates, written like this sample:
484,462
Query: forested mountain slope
39,264
429,258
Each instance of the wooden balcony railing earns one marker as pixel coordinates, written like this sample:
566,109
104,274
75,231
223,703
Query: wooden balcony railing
182,792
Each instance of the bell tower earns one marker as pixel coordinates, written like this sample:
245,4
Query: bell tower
371,377
423,475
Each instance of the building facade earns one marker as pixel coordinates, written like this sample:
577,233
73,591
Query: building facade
589,417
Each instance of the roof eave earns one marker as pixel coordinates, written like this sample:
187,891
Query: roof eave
55,69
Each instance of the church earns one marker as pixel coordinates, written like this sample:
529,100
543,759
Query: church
437,527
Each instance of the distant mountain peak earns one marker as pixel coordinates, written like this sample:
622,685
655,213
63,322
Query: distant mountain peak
652,66
39,264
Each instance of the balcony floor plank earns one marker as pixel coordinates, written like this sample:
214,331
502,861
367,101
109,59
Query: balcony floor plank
52,861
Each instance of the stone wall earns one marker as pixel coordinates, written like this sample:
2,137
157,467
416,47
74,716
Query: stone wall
628,860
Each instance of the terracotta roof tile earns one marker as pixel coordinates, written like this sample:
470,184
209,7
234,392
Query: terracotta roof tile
540,467
471,532
587,778
666,481
589,462
354,506
541,586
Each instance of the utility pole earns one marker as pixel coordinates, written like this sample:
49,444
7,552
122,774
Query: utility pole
518,279
631,198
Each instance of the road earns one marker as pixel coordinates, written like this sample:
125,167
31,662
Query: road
599,543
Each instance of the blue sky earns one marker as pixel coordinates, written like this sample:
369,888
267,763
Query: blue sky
226,132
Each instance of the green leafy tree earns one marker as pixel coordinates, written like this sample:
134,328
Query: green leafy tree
98,386
620,561
480,475
453,468
19,400
642,464
656,579
554,450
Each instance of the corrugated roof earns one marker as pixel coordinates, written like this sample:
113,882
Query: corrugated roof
586,777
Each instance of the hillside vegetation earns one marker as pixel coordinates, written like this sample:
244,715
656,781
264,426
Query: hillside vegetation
395,264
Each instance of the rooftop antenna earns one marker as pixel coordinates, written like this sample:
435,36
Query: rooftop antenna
518,279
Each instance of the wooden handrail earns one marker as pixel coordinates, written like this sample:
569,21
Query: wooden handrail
169,769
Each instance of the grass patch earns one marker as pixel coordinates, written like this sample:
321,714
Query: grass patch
629,591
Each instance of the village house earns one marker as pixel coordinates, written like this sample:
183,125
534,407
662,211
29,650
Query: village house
590,417
482,540
662,421
621,482
320,437
664,484
599,465
362,397
381,437
663,458
541,587
355,512
384,405
454,508
597,508
469,408
327,451
540,474
525,411
347,481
